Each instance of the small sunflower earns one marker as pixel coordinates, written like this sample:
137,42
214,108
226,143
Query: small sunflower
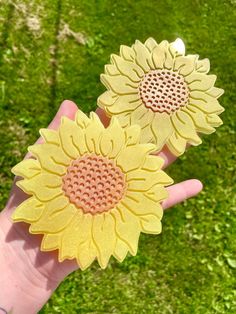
93,190
167,93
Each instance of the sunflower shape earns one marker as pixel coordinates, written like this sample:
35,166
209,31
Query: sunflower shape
93,190
167,93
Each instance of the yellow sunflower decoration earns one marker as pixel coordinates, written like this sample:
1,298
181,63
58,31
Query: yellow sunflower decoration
92,190
168,94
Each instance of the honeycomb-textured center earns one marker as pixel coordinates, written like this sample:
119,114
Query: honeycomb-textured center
163,91
94,183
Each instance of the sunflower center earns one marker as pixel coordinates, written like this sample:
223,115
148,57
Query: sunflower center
163,91
94,183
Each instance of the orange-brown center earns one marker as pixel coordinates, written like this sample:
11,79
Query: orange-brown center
94,183
163,91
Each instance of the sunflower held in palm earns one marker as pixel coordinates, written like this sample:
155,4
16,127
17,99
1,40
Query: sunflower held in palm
92,190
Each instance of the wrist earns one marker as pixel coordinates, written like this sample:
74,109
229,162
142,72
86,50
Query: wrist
24,289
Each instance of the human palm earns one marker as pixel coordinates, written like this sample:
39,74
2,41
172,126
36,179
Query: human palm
24,248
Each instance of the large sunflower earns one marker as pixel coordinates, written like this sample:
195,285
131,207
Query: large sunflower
167,93
93,190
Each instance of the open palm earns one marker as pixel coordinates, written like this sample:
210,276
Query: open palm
22,248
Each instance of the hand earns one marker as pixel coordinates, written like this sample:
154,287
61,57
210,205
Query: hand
34,275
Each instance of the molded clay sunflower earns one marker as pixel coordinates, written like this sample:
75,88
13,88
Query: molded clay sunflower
92,190
167,93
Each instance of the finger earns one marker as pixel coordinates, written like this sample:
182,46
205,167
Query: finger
103,117
68,108
182,191
167,156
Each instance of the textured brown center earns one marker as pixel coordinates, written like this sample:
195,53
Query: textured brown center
163,91
94,183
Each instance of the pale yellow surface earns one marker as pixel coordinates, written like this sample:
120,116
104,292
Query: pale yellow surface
65,227
122,99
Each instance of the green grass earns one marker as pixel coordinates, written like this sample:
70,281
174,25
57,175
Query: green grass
191,267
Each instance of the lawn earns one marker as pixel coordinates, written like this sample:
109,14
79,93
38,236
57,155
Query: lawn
55,50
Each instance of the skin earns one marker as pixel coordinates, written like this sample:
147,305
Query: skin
29,276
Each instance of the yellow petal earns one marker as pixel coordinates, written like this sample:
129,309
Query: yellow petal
51,242
200,121
150,43
161,128
215,92
119,84
185,128
214,120
77,241
93,134
142,56
153,163
127,53
205,103
143,180
50,136
81,119
203,66
138,204
168,63
141,116
44,186
158,55
72,138
107,99
132,135
185,65
125,103
77,232
27,168
81,230
51,157
121,250
127,227
124,119
104,237
56,217
157,193
86,254
127,68
147,134
150,224
112,140
162,57
176,144
28,211
200,82
132,157
111,69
